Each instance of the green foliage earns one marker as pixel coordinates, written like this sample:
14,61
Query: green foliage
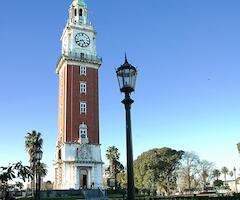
157,168
11,172
112,153
225,171
42,170
217,183
19,185
122,179
34,143
216,173
115,166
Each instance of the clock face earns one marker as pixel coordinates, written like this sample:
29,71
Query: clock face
82,40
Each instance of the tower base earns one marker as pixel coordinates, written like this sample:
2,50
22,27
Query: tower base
78,166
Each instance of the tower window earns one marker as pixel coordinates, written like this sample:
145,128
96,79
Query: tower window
75,12
83,88
77,153
83,133
59,154
80,12
83,71
83,107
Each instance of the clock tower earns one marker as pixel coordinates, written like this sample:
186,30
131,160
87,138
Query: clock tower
78,162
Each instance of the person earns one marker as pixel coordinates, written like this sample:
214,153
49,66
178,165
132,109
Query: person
92,185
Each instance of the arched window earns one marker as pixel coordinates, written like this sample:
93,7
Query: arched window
75,12
77,153
80,12
59,154
83,137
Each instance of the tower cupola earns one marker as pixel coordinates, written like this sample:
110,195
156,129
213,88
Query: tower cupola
78,12
81,3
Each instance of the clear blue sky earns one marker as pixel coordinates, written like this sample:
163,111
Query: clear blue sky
187,95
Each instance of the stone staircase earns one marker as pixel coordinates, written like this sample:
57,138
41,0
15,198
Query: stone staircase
95,194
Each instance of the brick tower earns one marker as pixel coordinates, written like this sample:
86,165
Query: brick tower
78,162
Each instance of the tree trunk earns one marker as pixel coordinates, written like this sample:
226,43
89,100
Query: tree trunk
189,181
111,167
225,179
33,180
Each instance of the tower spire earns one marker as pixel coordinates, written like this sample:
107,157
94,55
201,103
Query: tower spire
126,60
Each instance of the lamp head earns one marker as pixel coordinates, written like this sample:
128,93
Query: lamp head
126,75
39,154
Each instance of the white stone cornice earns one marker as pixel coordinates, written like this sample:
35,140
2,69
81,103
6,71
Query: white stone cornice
89,28
60,64
95,64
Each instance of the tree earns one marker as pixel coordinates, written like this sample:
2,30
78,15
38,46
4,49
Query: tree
19,185
231,174
115,166
225,171
49,185
33,142
112,155
122,179
205,175
216,174
188,170
218,183
156,168
11,172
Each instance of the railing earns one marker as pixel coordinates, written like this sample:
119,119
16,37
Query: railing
81,22
83,57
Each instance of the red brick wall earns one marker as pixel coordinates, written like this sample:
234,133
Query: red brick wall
73,116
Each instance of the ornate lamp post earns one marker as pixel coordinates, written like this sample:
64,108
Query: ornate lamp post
38,157
127,75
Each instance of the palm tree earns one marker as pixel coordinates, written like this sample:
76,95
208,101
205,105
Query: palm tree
42,170
112,155
216,173
33,142
225,172
231,174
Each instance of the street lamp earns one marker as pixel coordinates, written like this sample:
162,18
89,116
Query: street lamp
127,75
38,157
235,177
